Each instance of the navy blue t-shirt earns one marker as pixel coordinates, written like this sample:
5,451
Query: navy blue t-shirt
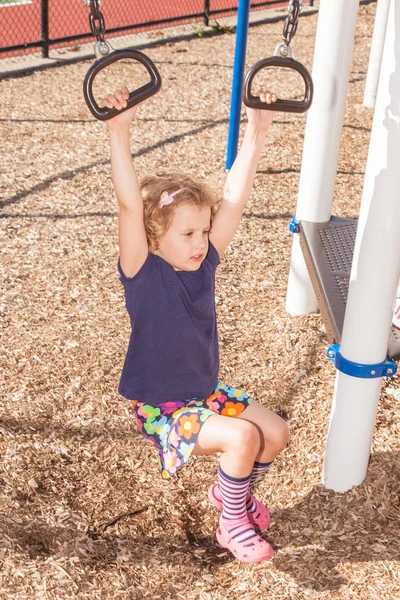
173,348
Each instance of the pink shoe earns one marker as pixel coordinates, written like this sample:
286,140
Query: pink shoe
260,518
252,549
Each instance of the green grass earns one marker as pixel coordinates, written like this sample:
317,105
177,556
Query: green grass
2,2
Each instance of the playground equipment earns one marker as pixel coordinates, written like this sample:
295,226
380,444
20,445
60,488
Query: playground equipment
282,58
105,56
375,60
355,267
349,268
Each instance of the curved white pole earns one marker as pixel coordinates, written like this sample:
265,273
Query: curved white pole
373,280
375,57
331,69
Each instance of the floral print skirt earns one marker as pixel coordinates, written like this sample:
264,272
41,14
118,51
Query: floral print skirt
173,427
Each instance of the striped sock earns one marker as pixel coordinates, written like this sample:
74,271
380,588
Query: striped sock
234,513
233,495
257,473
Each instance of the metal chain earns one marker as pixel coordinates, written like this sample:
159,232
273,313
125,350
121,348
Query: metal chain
96,19
98,27
289,29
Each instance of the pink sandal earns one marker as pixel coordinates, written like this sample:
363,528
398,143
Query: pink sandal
251,549
260,518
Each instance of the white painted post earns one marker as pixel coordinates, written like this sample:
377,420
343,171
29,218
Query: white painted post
375,57
373,280
331,69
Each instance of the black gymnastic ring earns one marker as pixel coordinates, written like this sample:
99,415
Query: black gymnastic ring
142,93
295,106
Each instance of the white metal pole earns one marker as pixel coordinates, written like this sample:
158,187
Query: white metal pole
331,69
375,57
373,280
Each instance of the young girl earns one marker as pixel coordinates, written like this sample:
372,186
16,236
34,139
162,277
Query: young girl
172,234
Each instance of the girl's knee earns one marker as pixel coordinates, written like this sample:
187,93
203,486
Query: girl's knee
280,435
245,438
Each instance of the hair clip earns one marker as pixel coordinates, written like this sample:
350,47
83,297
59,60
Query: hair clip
167,198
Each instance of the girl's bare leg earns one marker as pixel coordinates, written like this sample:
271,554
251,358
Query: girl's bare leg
273,431
238,440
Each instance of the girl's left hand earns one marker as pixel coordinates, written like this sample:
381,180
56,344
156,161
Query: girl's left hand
262,119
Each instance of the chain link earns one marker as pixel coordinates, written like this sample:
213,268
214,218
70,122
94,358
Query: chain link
96,19
290,27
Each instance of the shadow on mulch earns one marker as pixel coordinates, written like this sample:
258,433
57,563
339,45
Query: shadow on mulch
331,529
313,538
50,429
70,175
100,548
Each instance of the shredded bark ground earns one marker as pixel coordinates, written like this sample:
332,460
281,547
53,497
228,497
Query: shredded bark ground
85,513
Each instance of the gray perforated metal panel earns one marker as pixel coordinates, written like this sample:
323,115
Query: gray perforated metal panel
328,251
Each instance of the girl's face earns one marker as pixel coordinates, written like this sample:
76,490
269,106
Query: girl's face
185,243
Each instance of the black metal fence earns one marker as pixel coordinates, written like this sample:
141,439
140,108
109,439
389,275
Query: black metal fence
36,26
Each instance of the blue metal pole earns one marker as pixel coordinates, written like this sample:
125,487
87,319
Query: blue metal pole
237,83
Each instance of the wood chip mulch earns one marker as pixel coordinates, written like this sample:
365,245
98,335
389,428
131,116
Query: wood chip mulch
84,513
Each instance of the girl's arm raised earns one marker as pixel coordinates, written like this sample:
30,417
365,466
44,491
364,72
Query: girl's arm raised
240,179
132,235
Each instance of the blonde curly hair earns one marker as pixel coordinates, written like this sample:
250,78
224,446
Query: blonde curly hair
157,220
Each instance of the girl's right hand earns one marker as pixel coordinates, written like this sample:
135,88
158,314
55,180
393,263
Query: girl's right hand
118,100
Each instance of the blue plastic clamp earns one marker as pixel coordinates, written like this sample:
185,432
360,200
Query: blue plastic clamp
294,225
387,368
